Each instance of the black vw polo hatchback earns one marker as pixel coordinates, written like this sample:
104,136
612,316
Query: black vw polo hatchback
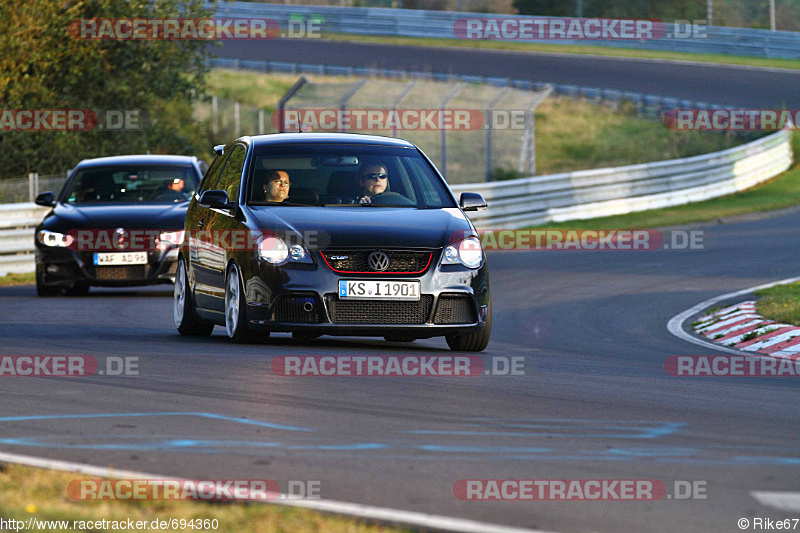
331,234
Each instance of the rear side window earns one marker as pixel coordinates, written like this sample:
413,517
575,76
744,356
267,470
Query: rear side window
232,174
211,177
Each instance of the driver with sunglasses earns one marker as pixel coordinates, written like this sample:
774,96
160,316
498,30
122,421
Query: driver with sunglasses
373,180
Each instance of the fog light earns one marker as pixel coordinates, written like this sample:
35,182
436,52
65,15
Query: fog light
52,269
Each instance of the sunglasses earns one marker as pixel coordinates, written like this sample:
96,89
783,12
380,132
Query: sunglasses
375,176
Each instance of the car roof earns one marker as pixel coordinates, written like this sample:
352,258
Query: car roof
138,160
325,138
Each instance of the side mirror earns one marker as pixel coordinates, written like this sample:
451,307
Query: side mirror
47,199
219,149
214,200
472,201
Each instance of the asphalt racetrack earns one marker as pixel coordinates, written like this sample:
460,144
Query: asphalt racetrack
595,401
703,82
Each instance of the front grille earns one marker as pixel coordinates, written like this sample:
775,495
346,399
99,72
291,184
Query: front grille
289,309
379,311
454,309
120,273
355,261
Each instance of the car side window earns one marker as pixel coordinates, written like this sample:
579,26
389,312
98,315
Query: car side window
232,174
211,177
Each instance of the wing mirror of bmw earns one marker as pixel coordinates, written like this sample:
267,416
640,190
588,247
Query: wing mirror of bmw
472,201
215,200
47,199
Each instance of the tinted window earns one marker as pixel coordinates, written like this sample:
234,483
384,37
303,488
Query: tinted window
131,184
232,174
212,176
342,175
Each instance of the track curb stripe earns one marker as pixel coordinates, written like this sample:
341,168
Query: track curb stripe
676,323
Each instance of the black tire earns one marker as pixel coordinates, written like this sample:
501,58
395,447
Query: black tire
236,325
473,342
183,313
79,289
43,290
395,338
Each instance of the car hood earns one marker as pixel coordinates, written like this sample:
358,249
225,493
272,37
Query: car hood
65,217
353,227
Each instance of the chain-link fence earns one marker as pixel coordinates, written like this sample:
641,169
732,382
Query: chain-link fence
26,189
472,131
227,120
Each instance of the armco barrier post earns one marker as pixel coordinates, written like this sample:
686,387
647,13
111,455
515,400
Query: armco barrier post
33,185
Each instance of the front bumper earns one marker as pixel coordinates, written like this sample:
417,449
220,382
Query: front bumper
454,300
64,268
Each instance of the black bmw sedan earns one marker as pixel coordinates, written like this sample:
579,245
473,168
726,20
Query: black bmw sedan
331,234
117,221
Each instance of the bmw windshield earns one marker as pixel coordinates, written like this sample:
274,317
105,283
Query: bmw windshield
345,175
129,184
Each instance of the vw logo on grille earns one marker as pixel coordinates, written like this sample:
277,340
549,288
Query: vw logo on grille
378,261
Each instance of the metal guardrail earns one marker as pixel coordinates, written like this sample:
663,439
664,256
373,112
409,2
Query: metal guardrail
418,23
614,191
17,222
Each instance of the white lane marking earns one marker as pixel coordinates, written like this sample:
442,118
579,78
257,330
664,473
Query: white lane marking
383,514
785,501
675,324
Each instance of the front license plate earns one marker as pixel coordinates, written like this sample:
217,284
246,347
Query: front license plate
378,290
129,258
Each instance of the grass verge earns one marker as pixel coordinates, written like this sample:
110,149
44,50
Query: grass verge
17,279
572,49
27,492
780,303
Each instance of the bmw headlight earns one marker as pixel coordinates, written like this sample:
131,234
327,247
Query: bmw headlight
170,238
467,252
275,250
53,238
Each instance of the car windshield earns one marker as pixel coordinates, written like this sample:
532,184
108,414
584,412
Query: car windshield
345,175
131,184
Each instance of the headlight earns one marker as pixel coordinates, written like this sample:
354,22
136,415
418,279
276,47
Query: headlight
467,252
174,238
274,250
53,238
